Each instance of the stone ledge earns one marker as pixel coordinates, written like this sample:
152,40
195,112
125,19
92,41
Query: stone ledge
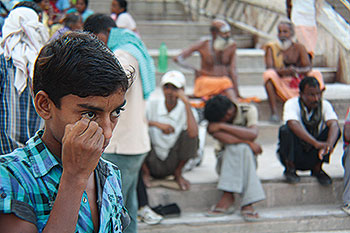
325,218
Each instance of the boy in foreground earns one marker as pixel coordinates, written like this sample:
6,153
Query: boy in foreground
57,182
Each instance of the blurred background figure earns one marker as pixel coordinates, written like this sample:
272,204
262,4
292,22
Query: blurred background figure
121,17
23,37
82,8
302,13
72,22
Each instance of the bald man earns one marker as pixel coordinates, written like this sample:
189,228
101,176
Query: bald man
217,73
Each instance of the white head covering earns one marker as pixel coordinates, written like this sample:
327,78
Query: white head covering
174,77
22,38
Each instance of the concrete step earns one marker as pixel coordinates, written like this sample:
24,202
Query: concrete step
248,77
310,218
145,10
157,10
338,94
176,27
182,34
203,193
247,59
180,41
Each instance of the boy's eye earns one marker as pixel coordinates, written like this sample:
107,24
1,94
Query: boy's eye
116,113
88,115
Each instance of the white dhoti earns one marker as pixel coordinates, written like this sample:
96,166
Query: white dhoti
236,166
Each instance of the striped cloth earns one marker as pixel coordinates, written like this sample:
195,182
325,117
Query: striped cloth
126,40
29,181
18,118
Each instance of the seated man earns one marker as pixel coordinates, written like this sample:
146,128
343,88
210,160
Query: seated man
173,131
310,133
287,63
57,182
234,126
217,74
346,164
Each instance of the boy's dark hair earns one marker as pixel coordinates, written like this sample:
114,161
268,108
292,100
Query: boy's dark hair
123,4
79,64
31,5
310,81
98,23
216,108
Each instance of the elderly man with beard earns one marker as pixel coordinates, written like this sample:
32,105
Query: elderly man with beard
310,133
217,74
173,131
287,63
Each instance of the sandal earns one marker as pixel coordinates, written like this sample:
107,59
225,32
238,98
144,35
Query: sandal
250,215
217,212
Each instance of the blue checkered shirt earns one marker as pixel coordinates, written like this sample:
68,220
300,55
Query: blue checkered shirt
29,180
18,118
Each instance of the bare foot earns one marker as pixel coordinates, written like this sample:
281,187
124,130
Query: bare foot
146,180
183,183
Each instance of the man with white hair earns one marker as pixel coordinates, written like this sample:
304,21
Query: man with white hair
23,37
173,131
217,74
287,62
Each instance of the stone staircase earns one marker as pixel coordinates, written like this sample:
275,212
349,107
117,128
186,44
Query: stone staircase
305,207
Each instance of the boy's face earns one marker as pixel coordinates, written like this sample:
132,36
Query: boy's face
104,111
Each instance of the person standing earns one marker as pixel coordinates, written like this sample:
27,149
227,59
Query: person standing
23,37
130,141
302,13
346,164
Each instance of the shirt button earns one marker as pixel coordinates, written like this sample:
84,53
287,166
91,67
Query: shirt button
84,199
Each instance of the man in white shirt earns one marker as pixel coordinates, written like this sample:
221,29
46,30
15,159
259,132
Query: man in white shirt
130,141
310,133
173,132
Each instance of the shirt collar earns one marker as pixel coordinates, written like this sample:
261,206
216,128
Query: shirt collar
42,160
163,111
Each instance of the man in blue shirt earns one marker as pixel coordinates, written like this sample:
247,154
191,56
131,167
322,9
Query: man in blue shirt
58,182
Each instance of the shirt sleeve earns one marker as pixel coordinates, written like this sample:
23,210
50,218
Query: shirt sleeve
126,21
291,110
328,112
14,198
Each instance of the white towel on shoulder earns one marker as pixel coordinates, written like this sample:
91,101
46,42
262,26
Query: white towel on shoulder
23,37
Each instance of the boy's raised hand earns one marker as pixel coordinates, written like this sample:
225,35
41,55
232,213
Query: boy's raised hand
82,147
